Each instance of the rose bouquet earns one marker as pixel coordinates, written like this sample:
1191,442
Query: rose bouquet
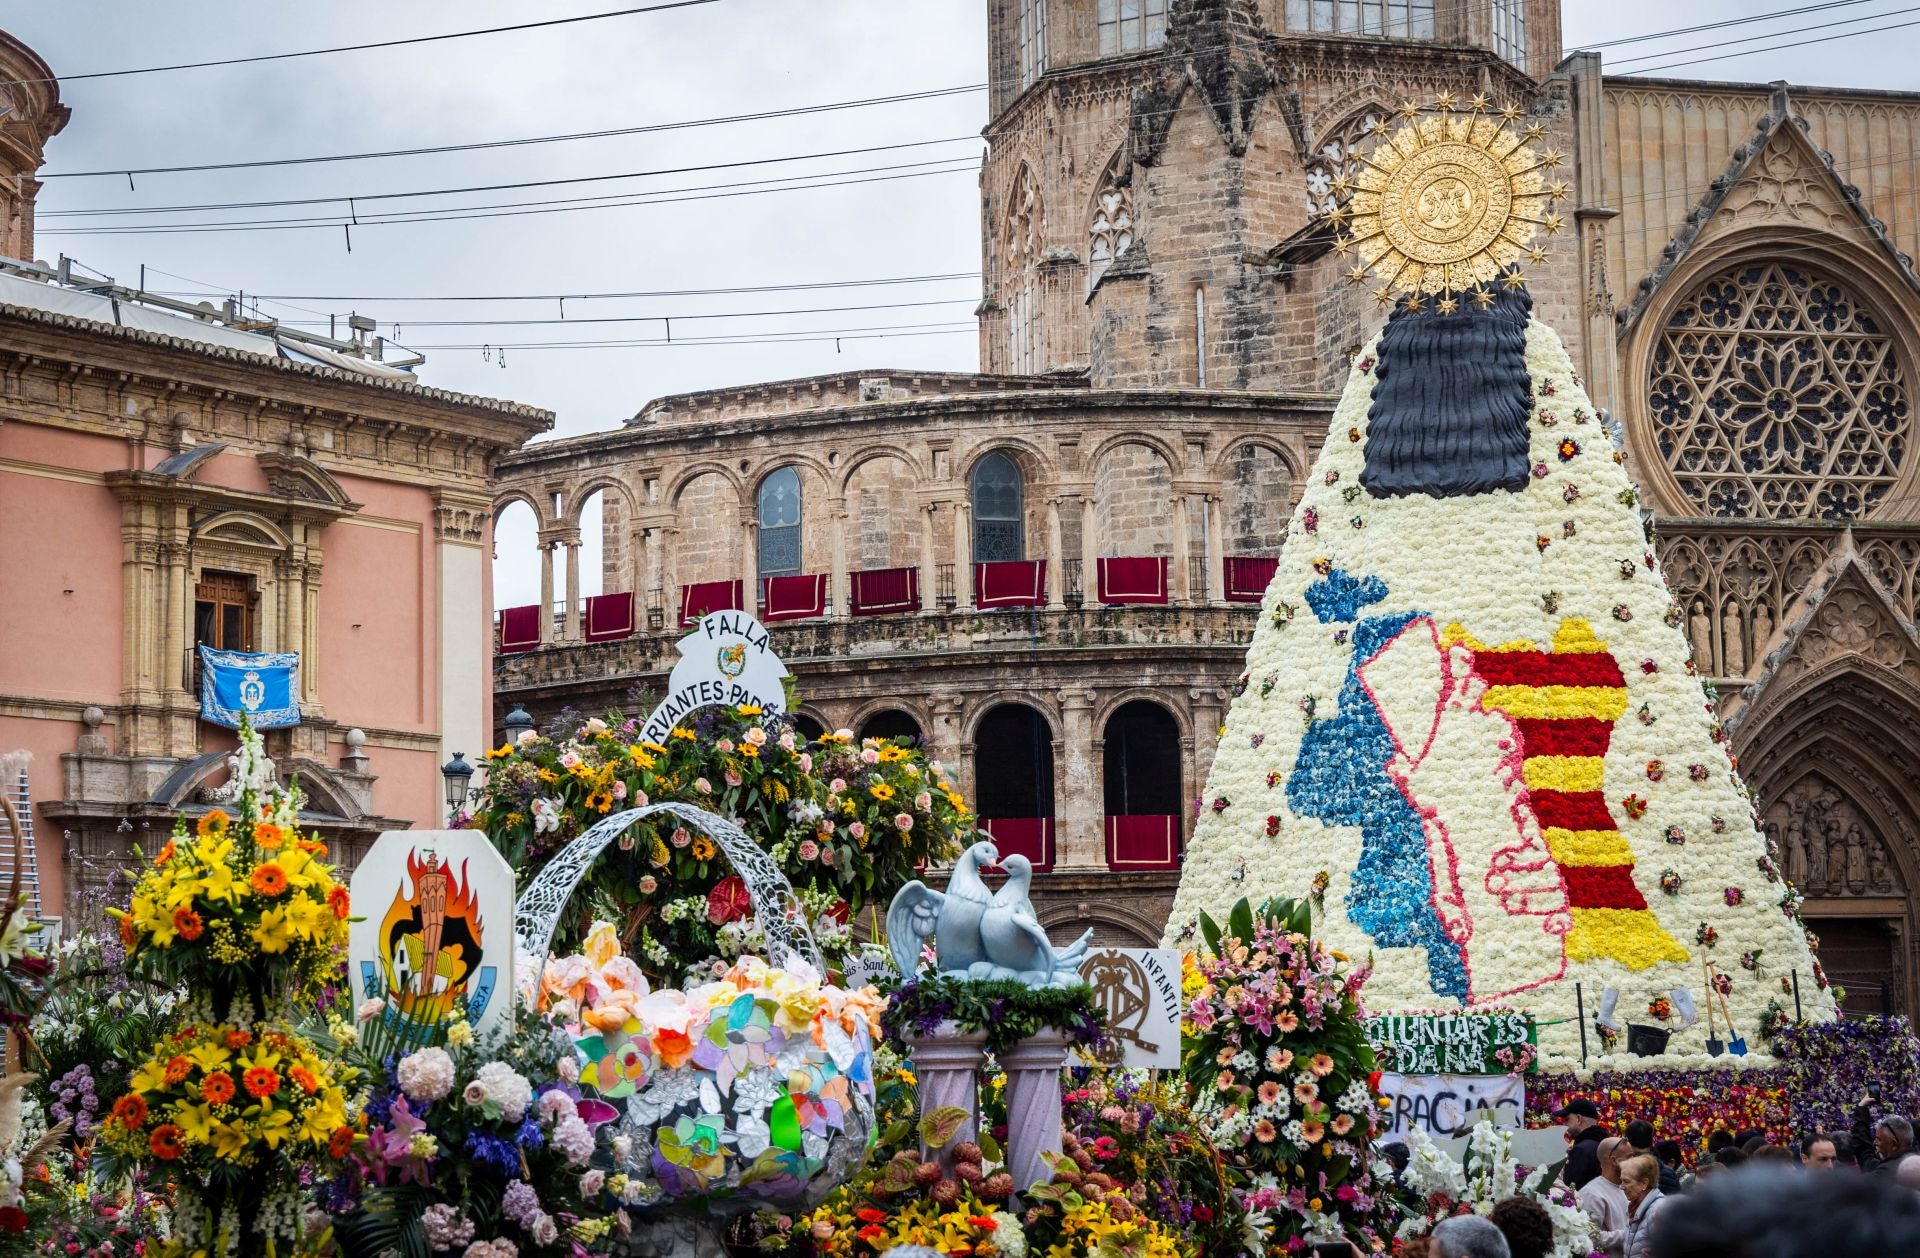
1486,1176
480,1151
846,824
235,1116
240,905
755,1089
1277,1060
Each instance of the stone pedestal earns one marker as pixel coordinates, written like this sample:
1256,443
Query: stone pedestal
947,1066
1033,1106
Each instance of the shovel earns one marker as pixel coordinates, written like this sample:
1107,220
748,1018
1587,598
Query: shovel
1738,1044
1715,1046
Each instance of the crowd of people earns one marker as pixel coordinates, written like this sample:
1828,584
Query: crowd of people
1744,1196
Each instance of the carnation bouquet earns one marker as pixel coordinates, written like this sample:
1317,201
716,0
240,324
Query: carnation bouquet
1486,1176
240,905
846,821
1277,1060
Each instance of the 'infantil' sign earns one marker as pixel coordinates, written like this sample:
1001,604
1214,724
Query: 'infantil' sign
1493,1043
725,660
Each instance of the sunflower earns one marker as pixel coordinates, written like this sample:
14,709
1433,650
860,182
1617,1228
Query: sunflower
166,1143
269,879
215,822
703,848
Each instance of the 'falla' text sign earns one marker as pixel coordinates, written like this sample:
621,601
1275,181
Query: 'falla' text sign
725,659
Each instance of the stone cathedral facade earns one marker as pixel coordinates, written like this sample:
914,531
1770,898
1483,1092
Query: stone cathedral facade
1043,570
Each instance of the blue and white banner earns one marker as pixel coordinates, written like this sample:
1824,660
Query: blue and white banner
257,685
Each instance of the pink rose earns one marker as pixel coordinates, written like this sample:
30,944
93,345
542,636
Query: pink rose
902,822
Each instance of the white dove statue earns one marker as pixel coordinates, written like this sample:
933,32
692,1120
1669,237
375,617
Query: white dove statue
1017,945
952,918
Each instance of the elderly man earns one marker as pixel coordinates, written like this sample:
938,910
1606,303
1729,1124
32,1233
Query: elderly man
1604,1202
1468,1236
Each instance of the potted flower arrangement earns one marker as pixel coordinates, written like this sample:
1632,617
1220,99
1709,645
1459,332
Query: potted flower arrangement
846,821
1278,1064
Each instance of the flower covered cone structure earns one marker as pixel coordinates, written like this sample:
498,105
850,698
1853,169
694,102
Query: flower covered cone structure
1469,728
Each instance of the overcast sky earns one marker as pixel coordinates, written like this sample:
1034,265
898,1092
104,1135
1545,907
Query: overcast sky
731,57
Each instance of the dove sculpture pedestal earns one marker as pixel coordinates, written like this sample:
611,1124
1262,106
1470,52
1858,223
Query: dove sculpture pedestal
1033,1106
947,1066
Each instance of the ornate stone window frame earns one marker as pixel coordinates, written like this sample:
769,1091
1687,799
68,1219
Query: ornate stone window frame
1890,296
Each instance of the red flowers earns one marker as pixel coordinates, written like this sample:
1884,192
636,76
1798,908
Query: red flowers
728,900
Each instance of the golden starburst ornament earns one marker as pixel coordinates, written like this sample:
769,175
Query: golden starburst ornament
1449,201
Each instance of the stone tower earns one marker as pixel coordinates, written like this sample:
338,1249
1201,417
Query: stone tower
30,115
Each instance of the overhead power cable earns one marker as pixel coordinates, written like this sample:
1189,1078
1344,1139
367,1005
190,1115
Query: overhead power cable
121,172
1750,39
384,43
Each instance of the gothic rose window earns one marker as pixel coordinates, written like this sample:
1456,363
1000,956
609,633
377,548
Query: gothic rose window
1776,392
1111,231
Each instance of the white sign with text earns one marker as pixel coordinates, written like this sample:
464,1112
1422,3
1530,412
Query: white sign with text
1441,1105
725,660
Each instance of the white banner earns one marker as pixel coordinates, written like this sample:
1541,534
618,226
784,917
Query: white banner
1441,1105
725,660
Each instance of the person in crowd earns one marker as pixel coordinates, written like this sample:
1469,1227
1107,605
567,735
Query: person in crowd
1467,1236
1775,1212
1819,1151
1582,1118
1673,1174
1880,1146
1604,1203
1526,1225
1640,1181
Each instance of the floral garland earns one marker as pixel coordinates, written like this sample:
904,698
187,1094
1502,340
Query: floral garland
1476,742
847,821
1007,1010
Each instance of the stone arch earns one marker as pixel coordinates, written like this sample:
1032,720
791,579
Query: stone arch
1132,498
1114,925
1866,277
883,512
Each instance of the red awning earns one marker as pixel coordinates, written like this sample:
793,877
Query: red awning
886,591
1248,577
609,616
701,597
519,628
1010,583
1134,580
1144,842
793,598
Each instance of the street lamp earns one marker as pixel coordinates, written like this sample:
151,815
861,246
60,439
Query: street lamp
517,723
456,773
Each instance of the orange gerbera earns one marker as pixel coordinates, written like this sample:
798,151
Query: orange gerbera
269,879
340,902
217,1089
131,1110
239,1039
165,854
214,822
187,923
166,1142
178,1068
341,1144
304,1077
261,1082
268,835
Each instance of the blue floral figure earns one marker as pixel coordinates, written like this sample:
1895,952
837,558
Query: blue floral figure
1341,777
